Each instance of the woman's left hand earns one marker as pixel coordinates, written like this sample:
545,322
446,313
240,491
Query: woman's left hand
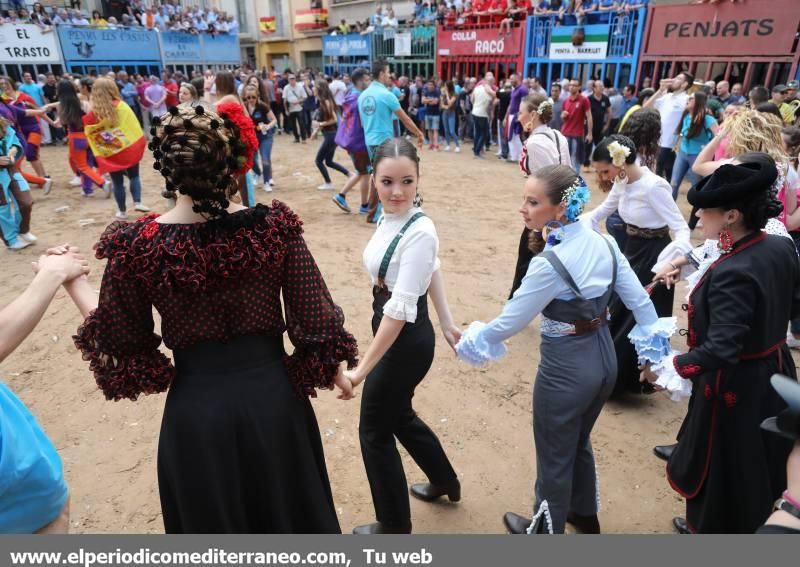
452,335
344,385
354,377
647,375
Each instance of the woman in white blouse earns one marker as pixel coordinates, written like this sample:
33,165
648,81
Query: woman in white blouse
402,262
645,203
543,146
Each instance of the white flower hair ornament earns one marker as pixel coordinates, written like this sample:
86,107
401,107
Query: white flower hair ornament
619,153
543,106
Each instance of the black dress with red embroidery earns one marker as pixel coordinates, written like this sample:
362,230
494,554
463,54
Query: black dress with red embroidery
239,447
727,468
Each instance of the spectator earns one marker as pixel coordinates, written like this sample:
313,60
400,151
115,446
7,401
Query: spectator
483,97
431,98
171,88
98,21
156,97
576,115
338,90
628,98
389,19
294,95
670,101
757,96
617,109
558,106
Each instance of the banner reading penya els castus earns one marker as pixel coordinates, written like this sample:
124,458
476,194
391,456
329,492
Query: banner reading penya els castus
28,44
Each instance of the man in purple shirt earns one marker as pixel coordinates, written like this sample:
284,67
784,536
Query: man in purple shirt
511,124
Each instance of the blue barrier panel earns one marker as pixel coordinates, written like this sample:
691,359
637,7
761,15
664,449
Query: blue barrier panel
607,50
223,48
344,53
82,46
180,47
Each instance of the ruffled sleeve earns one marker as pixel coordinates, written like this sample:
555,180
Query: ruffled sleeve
315,324
474,349
652,341
117,338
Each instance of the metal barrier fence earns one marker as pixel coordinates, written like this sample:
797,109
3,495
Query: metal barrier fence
607,49
410,50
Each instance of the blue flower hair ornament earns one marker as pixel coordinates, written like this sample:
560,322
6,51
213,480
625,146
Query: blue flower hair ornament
575,198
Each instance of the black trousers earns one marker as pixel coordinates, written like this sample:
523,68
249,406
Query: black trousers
665,162
294,124
386,413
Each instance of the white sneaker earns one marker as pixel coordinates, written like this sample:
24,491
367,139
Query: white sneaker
28,237
19,244
76,181
48,186
326,187
141,208
447,148
107,189
458,149
272,182
790,340
121,216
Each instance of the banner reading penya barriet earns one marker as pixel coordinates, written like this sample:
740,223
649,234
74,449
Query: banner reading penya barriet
27,44
480,42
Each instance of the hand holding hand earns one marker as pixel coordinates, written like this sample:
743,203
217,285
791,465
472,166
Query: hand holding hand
669,276
344,385
452,335
354,377
647,375
69,265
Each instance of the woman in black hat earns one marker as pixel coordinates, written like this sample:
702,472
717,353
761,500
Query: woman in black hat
730,472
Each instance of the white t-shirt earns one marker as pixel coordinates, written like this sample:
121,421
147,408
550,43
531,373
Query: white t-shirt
338,90
412,265
482,101
670,107
542,148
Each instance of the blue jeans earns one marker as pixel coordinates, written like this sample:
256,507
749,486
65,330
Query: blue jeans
450,133
265,151
325,156
481,134
576,149
683,168
118,181
616,227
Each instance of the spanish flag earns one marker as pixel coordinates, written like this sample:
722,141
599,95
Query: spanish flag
315,19
267,24
119,147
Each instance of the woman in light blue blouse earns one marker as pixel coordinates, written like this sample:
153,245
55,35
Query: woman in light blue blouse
570,283
697,128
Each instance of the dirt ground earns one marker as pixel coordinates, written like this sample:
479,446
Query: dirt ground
483,417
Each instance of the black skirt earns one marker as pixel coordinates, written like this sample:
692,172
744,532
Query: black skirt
239,451
642,254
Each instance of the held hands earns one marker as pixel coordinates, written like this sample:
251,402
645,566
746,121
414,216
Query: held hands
65,260
344,386
647,375
669,275
452,335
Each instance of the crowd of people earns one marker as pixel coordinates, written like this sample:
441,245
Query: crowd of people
168,15
606,302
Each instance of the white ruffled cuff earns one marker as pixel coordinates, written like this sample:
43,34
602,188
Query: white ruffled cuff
669,379
652,341
670,253
475,350
402,307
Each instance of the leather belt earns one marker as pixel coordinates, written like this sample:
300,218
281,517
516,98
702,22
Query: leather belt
647,233
588,326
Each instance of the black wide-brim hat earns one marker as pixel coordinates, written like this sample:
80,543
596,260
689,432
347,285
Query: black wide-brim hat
786,423
733,184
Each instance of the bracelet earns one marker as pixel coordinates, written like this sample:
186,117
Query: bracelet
785,506
786,496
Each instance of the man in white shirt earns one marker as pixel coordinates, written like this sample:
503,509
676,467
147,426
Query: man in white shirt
483,97
293,96
233,25
670,101
338,90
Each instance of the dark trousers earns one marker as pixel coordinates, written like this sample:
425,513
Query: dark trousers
277,110
665,162
617,228
325,156
294,124
481,134
386,413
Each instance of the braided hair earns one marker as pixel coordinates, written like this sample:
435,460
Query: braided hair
197,152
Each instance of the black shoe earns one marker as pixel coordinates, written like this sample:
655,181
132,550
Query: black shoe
379,528
429,492
680,525
516,524
664,452
584,524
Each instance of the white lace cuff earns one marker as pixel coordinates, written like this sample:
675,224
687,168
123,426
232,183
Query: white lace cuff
402,306
669,379
652,341
474,349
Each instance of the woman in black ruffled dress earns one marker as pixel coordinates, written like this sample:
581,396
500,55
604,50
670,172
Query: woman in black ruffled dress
239,449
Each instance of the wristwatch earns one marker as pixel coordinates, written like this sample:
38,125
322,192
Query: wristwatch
785,506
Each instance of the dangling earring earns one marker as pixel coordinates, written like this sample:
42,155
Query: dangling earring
417,200
725,243
622,175
552,232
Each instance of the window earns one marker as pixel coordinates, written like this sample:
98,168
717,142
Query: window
276,11
241,9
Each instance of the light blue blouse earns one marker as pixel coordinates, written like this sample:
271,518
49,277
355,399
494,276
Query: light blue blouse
586,257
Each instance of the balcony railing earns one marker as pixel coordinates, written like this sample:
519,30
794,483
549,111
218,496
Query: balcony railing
423,42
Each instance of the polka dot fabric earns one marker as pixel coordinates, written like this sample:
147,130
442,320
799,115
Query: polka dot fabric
210,282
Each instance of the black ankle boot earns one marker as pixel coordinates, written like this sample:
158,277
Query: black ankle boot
585,524
429,492
379,528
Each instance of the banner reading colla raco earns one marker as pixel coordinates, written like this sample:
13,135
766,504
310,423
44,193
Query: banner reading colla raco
27,44
480,42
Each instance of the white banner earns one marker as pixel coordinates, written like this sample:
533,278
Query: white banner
402,45
26,43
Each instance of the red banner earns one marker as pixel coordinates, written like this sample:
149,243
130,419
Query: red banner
479,42
756,27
